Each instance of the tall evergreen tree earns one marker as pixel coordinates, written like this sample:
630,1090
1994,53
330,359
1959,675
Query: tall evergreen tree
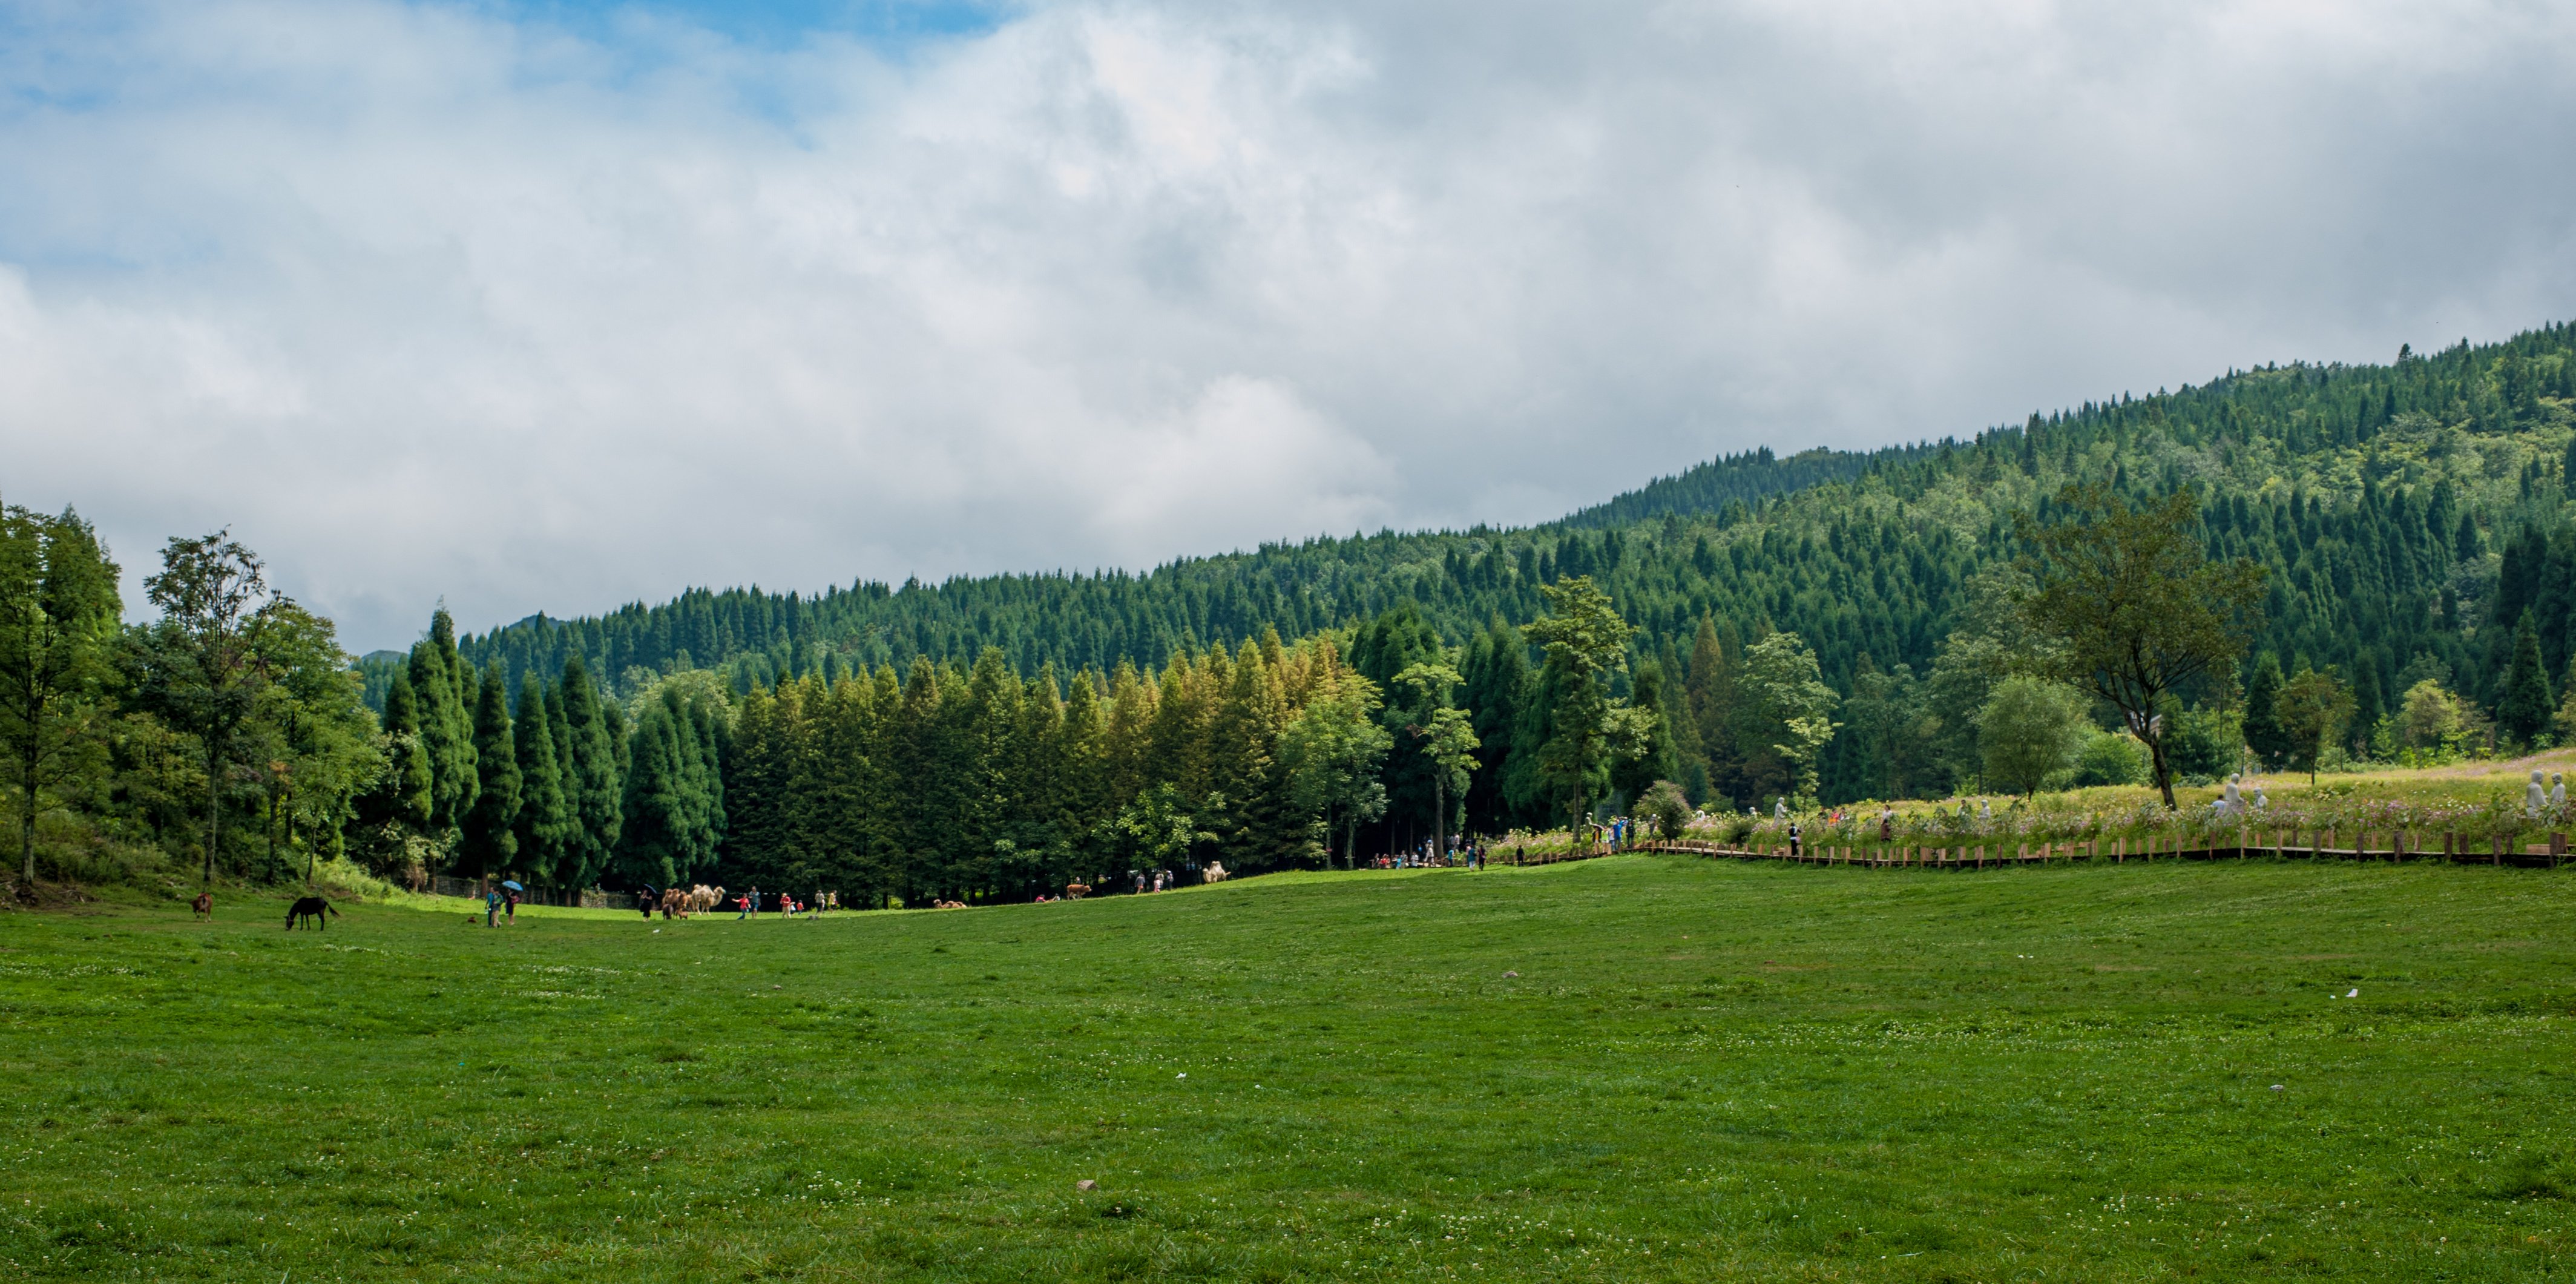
406,791
2264,733
1495,691
594,790
487,843
446,722
545,823
2525,709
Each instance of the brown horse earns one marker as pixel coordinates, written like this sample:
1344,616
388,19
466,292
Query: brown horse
204,905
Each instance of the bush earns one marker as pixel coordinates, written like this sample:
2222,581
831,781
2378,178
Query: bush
2201,743
2029,730
1665,806
2109,758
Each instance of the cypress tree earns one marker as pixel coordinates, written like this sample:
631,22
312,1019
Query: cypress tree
594,793
2525,710
487,844
544,825
446,729
408,774
653,841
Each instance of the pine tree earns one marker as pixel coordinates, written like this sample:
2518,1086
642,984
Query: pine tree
545,825
487,845
2525,709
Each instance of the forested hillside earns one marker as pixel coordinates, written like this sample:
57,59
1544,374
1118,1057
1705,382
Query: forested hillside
2395,541
2412,512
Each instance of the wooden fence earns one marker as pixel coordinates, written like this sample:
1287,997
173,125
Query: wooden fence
1972,854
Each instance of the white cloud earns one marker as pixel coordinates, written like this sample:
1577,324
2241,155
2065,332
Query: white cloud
422,301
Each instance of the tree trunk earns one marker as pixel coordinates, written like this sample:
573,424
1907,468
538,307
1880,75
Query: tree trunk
1439,820
2164,772
214,813
27,828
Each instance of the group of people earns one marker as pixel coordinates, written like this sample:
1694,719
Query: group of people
748,904
1461,854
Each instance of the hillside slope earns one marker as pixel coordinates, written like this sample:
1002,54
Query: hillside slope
2386,496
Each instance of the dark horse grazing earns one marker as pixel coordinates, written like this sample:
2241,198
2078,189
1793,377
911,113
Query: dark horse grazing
204,904
312,907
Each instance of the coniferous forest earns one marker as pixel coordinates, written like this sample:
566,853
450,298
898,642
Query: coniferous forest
1824,628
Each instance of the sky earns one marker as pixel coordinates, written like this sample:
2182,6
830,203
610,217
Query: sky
553,306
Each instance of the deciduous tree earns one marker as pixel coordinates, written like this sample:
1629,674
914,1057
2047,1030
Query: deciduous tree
2134,606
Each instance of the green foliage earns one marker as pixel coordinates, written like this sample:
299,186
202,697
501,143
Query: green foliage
544,826
2265,734
2200,744
1666,807
199,667
2314,708
2135,609
674,813
489,842
2112,758
594,777
2029,730
58,621
2526,707
1584,641
1789,708
1333,750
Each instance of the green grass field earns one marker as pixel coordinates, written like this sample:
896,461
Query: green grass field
1701,1071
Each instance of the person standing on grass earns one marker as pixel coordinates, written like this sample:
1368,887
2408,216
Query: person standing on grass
752,903
492,908
510,909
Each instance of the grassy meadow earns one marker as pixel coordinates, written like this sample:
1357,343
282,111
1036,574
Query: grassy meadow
1639,1068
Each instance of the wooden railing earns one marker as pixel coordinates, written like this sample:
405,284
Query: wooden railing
1981,854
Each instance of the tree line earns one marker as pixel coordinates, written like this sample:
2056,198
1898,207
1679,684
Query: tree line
2413,515
1869,635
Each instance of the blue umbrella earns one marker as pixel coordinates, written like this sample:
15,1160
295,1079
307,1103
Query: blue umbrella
512,884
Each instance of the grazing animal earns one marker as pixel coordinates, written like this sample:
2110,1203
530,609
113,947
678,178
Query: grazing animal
312,907
675,904
204,905
1215,872
1076,891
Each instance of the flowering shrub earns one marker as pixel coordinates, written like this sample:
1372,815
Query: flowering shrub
2299,819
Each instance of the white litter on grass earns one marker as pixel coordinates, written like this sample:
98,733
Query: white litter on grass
1182,1075
657,931
2352,994
2276,1087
